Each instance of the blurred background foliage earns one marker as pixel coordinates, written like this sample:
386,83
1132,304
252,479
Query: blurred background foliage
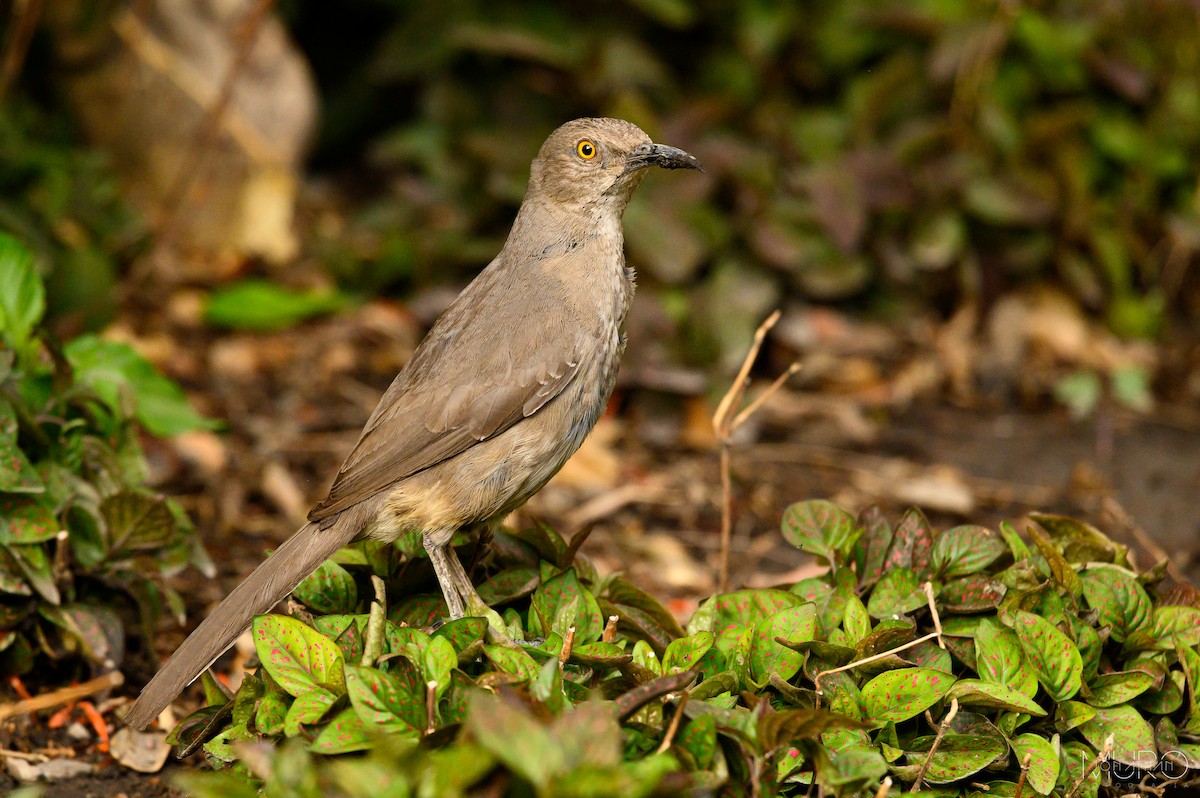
876,153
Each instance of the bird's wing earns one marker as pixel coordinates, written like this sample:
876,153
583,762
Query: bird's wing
473,377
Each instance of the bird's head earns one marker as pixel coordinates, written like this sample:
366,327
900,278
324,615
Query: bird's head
599,162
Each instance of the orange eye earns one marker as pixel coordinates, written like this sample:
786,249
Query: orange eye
586,150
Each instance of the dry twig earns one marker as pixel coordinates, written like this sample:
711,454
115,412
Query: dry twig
726,422
872,658
673,726
25,15
937,620
567,647
1109,742
941,732
431,707
63,695
1024,773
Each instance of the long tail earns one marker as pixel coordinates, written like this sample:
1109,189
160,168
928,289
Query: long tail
278,575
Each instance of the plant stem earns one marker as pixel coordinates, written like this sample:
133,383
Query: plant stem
941,732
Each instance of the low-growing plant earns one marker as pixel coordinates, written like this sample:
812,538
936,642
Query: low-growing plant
84,546
969,662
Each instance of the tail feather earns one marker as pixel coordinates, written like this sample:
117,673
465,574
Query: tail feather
277,576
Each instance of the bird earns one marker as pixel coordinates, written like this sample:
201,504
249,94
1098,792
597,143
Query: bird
498,395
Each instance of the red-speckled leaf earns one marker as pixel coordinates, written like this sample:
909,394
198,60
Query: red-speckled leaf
1168,626
898,592
1072,714
685,653
271,713
345,733
903,693
298,657
1121,687
328,590
25,520
420,610
385,702
794,624
1167,698
699,739
885,636
998,658
462,633
17,475
743,607
12,578
957,755
513,661
1119,598
346,631
912,545
600,655
821,528
878,538
977,593
307,709
509,585
965,550
97,630
555,594
1043,761
1051,654
993,695
1133,738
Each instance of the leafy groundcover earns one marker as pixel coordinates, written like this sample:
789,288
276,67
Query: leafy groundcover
971,662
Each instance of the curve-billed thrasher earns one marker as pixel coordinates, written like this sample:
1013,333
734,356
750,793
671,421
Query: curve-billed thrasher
501,392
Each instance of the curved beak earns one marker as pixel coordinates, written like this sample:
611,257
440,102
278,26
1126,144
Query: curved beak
660,155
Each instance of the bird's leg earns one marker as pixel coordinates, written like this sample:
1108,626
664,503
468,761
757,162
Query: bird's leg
447,568
467,593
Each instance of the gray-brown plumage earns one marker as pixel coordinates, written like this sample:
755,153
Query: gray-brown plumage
501,392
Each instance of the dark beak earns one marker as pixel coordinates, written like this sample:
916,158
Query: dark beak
660,155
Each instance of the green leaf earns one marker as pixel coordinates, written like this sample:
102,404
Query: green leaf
898,592
904,693
1121,687
384,701
1060,568
263,305
1133,739
35,565
136,521
957,755
1052,655
516,739
1015,545
297,657
794,624
22,297
1119,598
686,652
745,607
1043,761
271,713
111,368
1075,758
994,695
821,528
965,550
329,590
998,658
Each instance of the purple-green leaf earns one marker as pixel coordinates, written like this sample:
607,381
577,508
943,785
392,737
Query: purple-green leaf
965,550
1133,738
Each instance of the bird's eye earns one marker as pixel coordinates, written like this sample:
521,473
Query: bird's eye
586,150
